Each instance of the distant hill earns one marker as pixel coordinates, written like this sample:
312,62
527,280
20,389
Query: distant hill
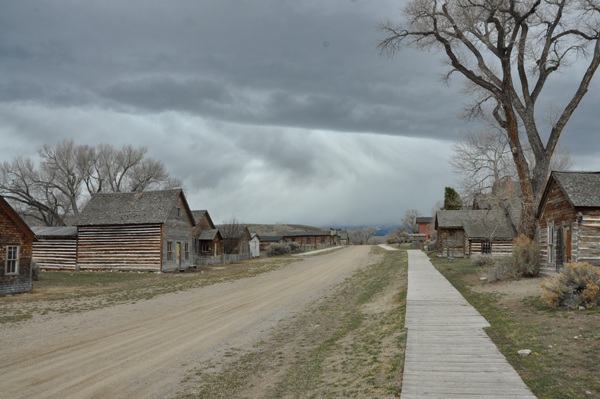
381,230
276,229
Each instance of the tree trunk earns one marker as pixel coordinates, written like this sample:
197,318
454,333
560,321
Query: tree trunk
527,226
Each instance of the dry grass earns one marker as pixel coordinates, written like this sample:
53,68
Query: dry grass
565,362
350,345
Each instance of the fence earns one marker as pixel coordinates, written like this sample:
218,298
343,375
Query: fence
223,258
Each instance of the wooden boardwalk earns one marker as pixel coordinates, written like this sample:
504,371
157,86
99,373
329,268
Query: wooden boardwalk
448,355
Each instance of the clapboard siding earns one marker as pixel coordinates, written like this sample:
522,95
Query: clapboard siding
120,247
55,253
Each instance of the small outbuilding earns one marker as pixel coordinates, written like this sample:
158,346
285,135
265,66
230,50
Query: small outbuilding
463,233
147,230
55,248
569,220
16,245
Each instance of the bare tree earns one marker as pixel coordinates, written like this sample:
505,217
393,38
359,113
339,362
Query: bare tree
508,50
409,221
484,160
361,236
69,173
481,160
231,231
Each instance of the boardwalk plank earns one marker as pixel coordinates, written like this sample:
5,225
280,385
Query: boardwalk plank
448,354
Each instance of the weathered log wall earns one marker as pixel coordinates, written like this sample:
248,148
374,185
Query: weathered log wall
128,247
55,254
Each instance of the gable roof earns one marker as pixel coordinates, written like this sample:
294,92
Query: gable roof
582,189
209,234
424,219
199,214
478,223
145,207
17,220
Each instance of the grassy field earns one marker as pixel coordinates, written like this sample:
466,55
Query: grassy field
565,362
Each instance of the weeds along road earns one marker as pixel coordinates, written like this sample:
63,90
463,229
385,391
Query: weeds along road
143,350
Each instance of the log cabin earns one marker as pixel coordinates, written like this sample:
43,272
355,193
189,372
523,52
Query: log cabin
313,239
569,220
143,231
16,244
464,233
55,248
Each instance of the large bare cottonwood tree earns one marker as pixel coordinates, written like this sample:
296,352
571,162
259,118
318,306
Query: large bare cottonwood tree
69,173
508,50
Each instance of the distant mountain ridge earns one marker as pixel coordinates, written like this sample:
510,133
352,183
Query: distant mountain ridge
278,229
282,228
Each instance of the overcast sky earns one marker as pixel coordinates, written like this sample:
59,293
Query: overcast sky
272,111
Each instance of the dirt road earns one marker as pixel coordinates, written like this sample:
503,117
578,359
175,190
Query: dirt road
143,350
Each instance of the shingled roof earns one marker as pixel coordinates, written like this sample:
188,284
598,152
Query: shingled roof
208,234
146,207
478,223
581,188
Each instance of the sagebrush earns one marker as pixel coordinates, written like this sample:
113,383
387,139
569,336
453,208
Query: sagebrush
523,262
577,284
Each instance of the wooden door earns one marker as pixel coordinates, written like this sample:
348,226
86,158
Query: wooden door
178,254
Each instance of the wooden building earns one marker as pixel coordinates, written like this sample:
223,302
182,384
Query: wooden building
424,226
313,239
569,220
16,245
149,230
463,233
207,238
254,245
56,248
266,240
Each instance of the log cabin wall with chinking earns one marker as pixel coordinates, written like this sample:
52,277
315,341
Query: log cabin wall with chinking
569,220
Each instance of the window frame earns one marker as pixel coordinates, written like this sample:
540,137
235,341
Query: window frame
11,265
486,247
170,251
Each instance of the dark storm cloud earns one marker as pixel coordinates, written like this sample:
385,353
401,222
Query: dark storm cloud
280,63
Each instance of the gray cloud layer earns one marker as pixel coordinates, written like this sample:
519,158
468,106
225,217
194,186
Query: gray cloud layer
255,104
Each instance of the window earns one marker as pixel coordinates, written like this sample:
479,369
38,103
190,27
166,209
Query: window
486,247
186,250
196,245
12,259
205,248
170,250
551,243
178,213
